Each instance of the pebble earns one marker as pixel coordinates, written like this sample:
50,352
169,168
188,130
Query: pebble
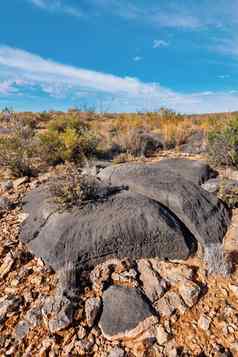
22,329
190,292
5,203
151,282
234,289
81,332
20,181
92,308
9,304
204,322
6,266
6,185
162,336
116,352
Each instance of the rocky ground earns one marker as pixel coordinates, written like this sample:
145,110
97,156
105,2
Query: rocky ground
189,313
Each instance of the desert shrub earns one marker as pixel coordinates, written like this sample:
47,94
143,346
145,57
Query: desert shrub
229,194
67,138
223,145
63,121
66,188
30,121
71,188
175,132
216,260
18,150
6,114
51,147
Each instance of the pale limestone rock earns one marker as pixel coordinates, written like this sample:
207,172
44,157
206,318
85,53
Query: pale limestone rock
151,282
190,292
204,322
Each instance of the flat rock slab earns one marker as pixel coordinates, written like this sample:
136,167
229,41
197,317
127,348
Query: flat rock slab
125,224
124,311
201,212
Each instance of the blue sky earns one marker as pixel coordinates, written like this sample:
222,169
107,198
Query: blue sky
118,55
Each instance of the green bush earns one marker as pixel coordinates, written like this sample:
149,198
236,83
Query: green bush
223,145
18,150
67,139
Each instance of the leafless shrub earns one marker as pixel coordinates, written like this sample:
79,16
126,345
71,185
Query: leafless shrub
216,261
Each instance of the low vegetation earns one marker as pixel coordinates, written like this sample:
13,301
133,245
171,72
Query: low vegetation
223,144
67,138
228,193
17,150
71,188
37,141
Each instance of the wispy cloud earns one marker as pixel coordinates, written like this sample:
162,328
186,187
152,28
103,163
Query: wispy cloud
223,76
23,71
227,46
8,87
165,14
57,6
137,58
39,3
160,43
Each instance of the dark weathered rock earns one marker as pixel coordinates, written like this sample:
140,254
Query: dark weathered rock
6,185
149,143
59,312
9,304
201,212
123,225
195,144
123,310
22,329
92,309
5,203
193,170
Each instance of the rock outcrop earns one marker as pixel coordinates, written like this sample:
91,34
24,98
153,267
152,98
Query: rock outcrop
125,224
171,182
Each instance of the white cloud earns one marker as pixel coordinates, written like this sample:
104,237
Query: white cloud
137,58
160,43
21,70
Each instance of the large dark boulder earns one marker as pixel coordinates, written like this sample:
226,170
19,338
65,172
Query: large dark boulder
202,213
124,224
149,143
193,170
